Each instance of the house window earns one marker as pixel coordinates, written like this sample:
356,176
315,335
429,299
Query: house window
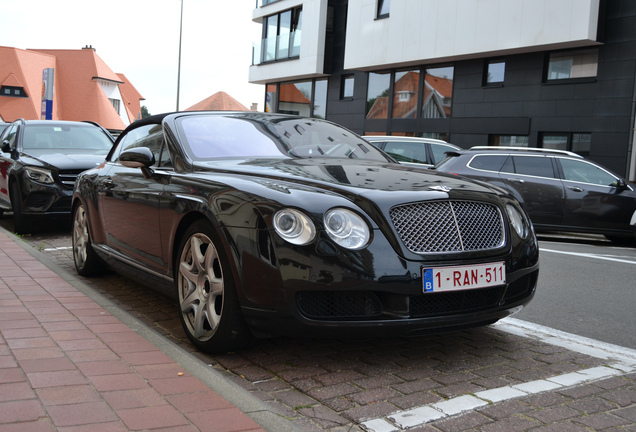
281,35
572,64
12,91
346,87
576,142
509,140
115,103
378,95
383,8
438,92
494,72
406,85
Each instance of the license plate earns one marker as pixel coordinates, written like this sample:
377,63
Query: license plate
463,277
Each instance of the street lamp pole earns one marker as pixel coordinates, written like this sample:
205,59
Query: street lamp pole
179,67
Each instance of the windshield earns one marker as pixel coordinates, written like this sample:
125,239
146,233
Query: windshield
214,136
65,138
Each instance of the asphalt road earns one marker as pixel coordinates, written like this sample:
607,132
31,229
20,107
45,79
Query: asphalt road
587,287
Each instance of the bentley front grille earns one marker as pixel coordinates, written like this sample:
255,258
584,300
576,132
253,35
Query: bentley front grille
449,226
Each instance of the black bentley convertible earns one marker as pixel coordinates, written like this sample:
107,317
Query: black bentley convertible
265,224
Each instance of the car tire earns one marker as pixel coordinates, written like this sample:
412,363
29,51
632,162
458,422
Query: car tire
21,222
87,263
209,308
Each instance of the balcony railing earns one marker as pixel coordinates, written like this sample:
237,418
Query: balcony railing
260,3
277,48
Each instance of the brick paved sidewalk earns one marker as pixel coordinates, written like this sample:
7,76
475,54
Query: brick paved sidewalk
67,363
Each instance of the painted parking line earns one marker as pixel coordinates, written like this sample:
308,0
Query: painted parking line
58,248
621,361
595,256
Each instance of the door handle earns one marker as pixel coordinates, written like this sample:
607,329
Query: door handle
575,189
520,181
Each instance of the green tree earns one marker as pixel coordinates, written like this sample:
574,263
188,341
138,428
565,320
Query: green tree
144,112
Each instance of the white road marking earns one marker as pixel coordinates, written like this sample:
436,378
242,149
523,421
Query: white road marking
621,361
588,255
58,248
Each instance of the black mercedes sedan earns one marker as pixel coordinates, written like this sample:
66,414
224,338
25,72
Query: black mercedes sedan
39,161
266,224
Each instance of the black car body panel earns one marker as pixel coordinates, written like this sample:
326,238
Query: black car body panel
137,217
561,191
39,162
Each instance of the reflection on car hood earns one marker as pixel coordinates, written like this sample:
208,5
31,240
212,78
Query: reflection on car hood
63,161
357,176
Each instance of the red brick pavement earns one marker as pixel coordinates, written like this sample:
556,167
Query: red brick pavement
67,364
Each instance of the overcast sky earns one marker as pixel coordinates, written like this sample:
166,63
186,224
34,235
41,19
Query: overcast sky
140,38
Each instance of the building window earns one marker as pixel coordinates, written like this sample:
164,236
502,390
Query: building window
281,36
304,98
320,99
565,65
378,95
295,98
509,140
346,87
12,91
495,71
383,8
115,103
271,98
438,92
576,142
406,86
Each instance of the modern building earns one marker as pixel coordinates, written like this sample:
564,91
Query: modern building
83,88
555,74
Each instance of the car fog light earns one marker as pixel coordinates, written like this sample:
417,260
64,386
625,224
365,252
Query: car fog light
346,228
294,227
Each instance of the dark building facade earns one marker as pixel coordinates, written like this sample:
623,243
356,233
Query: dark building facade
577,95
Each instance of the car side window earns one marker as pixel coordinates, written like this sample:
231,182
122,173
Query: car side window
406,151
150,136
488,162
10,135
439,152
585,172
537,166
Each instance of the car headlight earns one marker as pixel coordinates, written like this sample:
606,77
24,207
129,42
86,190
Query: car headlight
40,175
346,228
294,226
517,220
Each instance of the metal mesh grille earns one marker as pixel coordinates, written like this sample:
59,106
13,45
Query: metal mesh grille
448,226
338,304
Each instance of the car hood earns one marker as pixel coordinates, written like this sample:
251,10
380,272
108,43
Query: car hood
63,161
353,177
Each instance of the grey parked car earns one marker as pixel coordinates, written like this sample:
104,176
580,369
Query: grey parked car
561,191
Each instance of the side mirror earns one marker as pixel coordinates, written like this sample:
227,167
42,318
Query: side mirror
6,146
139,157
621,185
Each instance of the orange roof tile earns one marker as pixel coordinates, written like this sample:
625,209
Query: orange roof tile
83,85
219,101
82,97
131,98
